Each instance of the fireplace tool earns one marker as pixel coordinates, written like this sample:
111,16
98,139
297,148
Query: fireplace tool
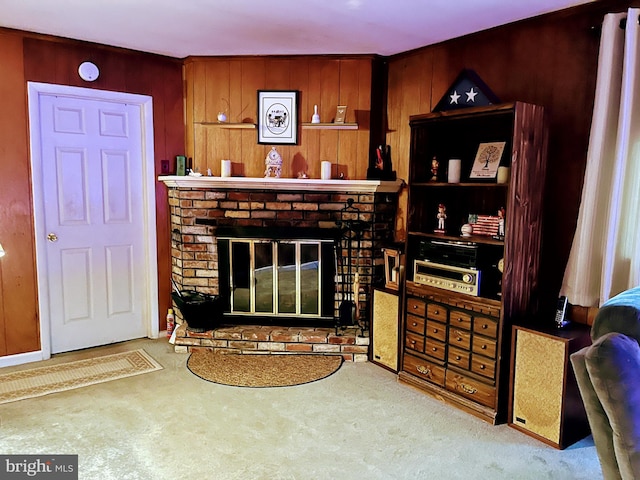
352,229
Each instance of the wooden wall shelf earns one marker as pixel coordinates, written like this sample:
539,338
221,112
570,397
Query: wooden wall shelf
228,126
330,126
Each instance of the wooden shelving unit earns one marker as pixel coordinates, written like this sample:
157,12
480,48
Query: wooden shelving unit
456,342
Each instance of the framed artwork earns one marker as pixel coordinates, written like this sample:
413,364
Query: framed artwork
278,117
487,160
341,114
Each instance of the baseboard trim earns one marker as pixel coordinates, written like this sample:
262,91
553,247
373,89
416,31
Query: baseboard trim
20,358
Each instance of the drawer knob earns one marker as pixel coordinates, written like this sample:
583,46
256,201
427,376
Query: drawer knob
485,326
457,357
435,330
437,312
415,324
459,339
481,367
423,370
415,307
435,349
460,319
413,342
483,347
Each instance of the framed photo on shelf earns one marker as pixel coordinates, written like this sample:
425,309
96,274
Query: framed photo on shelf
341,114
391,268
278,117
487,160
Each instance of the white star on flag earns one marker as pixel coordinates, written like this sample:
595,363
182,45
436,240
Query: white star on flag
454,98
471,95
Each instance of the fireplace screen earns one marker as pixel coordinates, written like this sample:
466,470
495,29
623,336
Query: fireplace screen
277,277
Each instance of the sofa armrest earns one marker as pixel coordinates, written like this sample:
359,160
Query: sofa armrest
598,420
613,365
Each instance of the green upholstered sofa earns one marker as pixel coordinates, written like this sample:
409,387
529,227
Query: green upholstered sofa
608,376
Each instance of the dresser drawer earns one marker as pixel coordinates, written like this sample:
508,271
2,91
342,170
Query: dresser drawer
415,306
437,312
484,346
460,338
414,342
435,348
483,366
470,388
424,369
460,319
437,330
459,358
485,326
415,324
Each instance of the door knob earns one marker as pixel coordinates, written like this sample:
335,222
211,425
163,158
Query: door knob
52,237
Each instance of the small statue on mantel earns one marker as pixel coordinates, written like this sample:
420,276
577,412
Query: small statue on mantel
441,216
273,163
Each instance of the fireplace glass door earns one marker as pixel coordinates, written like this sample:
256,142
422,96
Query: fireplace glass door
280,277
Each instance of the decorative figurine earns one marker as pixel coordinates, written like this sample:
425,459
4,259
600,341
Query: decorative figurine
273,163
381,168
315,118
441,216
501,223
435,164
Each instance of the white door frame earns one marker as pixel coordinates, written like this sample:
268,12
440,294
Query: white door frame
144,102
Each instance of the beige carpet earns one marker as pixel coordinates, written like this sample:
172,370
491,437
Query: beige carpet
40,381
262,370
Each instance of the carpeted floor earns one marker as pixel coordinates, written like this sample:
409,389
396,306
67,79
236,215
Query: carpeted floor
262,370
358,423
35,382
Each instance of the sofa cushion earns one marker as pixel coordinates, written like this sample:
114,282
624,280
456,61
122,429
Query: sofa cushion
613,364
619,314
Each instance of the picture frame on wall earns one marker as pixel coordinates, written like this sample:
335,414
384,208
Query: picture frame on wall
278,117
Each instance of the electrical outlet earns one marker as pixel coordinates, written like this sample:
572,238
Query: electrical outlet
164,166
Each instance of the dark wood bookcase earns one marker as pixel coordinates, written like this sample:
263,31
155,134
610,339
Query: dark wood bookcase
456,345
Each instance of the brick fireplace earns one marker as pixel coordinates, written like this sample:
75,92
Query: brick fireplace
201,207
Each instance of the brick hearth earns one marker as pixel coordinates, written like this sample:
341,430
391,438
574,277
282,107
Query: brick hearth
348,343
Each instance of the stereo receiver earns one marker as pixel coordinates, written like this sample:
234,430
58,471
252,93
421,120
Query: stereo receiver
449,252
448,277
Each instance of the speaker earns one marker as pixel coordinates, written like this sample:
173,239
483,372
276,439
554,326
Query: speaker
385,329
545,401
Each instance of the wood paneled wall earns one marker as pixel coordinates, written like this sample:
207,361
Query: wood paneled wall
25,57
230,85
19,329
549,61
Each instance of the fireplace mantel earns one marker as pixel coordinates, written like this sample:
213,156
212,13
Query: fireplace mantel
282,184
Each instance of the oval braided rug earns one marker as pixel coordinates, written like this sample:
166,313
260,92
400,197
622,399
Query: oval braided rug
261,370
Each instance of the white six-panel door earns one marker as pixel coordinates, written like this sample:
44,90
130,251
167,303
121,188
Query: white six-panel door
93,221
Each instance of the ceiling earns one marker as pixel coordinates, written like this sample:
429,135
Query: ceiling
180,28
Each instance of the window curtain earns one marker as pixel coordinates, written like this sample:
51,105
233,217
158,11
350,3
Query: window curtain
605,254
